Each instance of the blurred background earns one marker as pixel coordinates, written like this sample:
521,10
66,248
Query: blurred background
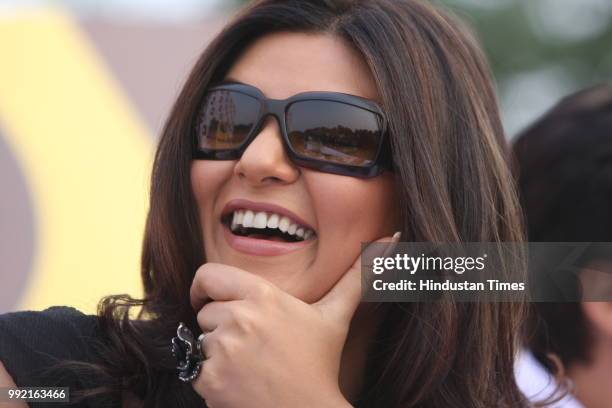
85,87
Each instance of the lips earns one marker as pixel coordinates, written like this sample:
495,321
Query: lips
264,229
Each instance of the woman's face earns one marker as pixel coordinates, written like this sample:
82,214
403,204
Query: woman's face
343,211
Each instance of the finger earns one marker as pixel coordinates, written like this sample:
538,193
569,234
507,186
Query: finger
222,282
205,340
206,380
206,384
226,312
342,300
218,345
213,314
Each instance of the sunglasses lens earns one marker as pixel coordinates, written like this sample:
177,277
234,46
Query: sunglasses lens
334,132
226,119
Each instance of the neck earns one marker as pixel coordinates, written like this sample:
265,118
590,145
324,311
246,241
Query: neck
362,330
592,380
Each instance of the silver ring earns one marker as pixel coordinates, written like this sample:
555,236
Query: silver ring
188,353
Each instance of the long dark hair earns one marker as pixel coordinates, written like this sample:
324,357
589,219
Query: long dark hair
453,183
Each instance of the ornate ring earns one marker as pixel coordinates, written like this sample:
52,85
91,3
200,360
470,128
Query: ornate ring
188,353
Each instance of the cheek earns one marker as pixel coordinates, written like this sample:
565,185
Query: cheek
209,178
350,211
358,209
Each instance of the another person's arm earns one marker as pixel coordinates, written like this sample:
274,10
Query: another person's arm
7,381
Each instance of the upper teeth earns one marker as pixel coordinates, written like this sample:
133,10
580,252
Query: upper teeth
261,220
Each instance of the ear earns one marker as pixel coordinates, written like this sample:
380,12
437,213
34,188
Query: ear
599,316
596,280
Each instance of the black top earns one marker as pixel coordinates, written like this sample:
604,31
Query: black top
32,341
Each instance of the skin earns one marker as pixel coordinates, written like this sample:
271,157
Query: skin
7,381
300,63
285,331
591,378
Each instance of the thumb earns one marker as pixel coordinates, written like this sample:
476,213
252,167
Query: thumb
342,300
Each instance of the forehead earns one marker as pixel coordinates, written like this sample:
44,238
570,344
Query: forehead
284,64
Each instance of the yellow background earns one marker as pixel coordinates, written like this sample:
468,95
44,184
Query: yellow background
86,156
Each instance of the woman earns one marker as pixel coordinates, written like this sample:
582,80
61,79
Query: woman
402,133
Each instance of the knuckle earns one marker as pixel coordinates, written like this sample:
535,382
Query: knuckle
199,271
264,292
211,342
202,272
198,282
204,315
227,346
201,318
244,321
221,345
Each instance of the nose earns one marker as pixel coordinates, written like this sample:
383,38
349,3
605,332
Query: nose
265,160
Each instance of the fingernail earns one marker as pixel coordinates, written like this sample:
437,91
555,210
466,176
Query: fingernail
392,244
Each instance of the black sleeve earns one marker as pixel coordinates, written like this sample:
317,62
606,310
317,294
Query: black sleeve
31,341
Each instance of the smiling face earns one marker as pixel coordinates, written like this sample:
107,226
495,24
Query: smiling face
342,211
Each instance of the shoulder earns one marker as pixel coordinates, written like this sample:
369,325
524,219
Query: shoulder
7,381
31,341
55,317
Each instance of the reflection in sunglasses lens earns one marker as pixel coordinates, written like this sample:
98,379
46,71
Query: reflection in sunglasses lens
334,132
225,119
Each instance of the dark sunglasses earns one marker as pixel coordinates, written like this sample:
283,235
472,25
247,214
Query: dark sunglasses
327,131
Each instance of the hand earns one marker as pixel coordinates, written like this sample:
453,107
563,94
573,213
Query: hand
267,348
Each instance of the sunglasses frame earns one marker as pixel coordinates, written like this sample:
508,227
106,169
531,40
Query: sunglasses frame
278,108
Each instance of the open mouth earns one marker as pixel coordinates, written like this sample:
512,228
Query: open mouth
267,226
